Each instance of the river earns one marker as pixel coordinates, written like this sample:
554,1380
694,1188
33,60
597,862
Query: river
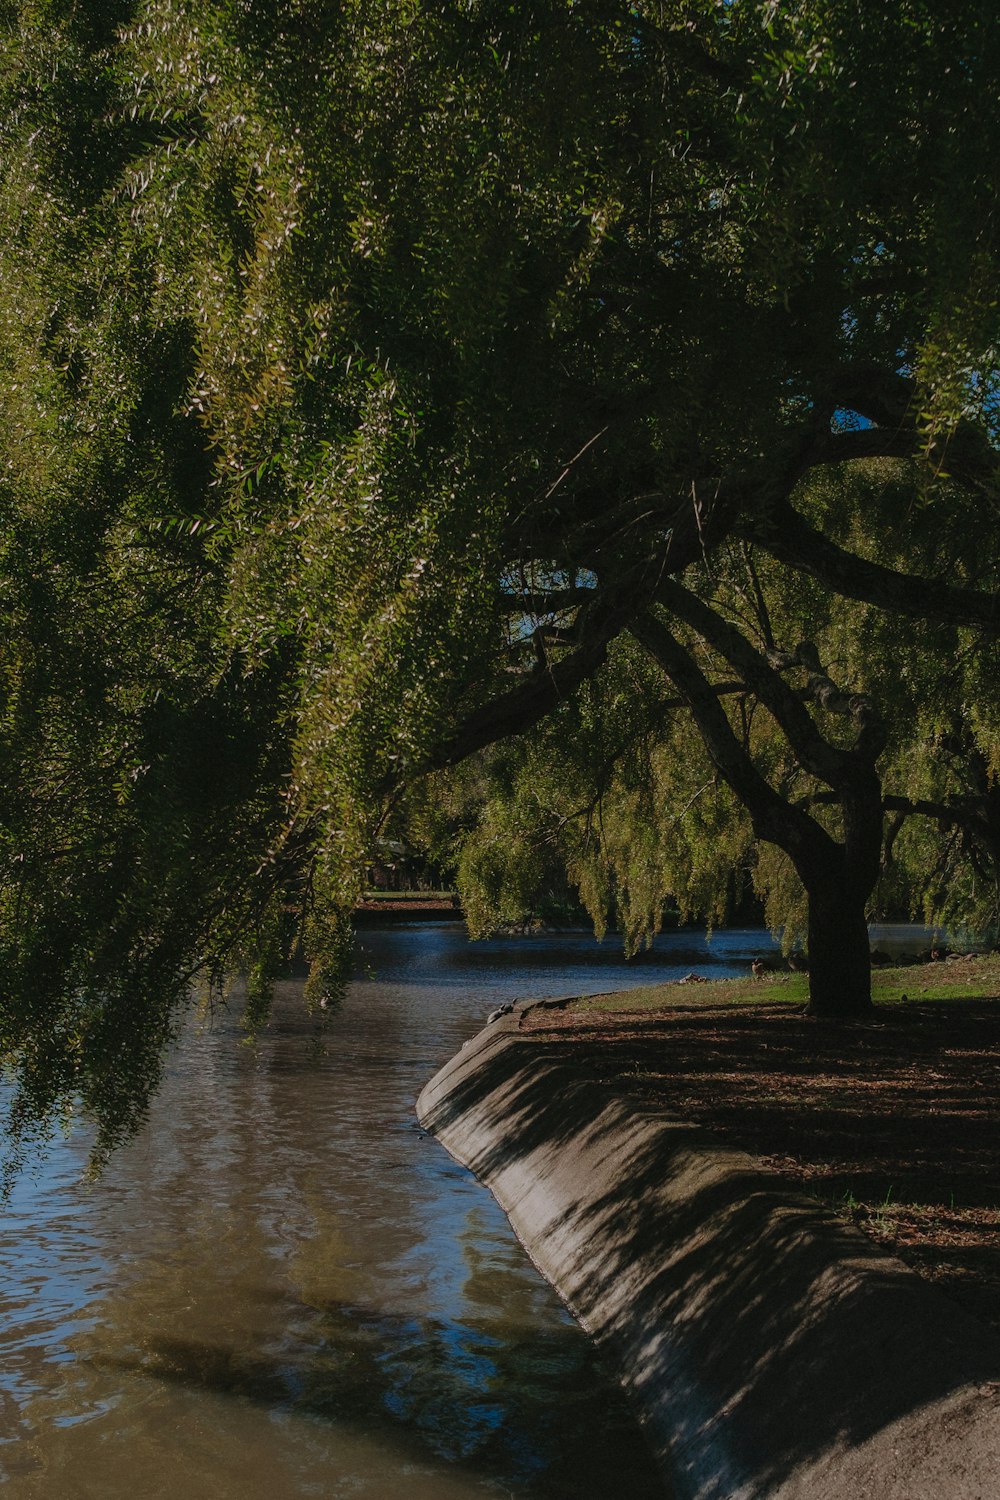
283,1288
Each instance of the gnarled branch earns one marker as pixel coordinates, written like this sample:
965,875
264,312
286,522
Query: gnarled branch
772,816
789,538
831,764
821,687
605,615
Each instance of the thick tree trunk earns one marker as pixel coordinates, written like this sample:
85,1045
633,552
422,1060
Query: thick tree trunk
840,969
838,878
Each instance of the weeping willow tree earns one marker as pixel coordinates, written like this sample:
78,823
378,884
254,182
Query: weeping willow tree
754,724
382,381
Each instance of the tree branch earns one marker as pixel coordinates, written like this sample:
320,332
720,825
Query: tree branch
876,393
605,616
890,400
971,816
773,818
586,525
820,686
789,538
687,49
815,753
867,442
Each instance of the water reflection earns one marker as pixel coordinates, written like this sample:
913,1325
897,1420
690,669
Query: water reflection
283,1288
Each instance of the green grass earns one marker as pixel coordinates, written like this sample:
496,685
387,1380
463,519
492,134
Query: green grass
889,987
791,988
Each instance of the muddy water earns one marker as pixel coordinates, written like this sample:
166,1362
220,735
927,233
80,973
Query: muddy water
283,1288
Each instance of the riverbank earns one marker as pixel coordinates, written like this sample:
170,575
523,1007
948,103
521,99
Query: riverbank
894,1124
773,1349
386,908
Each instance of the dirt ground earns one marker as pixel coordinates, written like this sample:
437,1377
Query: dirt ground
895,1122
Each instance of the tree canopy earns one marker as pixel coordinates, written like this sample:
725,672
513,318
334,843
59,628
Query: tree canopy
388,379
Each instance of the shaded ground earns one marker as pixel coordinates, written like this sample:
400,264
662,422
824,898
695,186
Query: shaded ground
894,1122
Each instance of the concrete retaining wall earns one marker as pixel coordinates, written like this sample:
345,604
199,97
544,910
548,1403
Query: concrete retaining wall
770,1351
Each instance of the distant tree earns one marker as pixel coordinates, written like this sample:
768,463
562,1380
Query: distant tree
373,374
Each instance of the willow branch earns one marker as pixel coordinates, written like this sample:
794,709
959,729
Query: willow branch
878,394
971,816
543,689
789,538
824,691
867,442
890,400
815,753
772,816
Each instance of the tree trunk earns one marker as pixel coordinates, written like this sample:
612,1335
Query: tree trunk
840,968
838,878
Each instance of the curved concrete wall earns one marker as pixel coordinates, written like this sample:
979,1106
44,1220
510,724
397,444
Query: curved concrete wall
770,1350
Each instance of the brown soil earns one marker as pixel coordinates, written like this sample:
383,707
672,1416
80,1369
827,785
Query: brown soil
895,1122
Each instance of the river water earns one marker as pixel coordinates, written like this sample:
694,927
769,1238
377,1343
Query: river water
284,1288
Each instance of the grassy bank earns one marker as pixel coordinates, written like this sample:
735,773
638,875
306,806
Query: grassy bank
895,1122
952,979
